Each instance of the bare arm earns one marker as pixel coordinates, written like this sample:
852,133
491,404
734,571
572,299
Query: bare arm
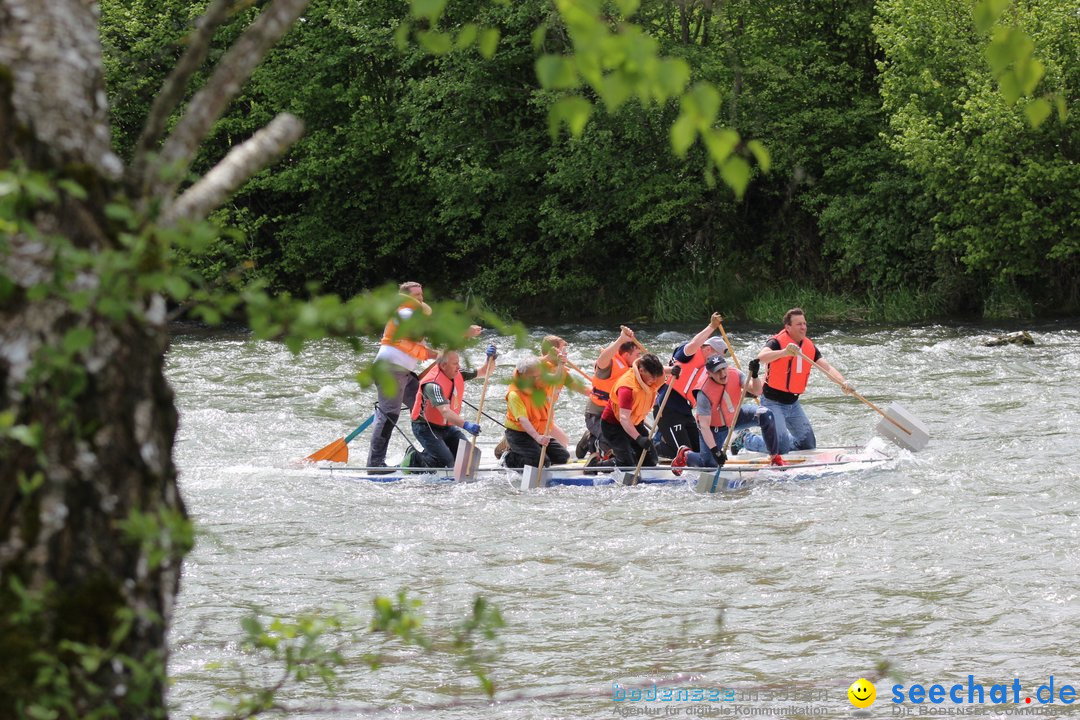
834,374
698,340
627,426
706,430
606,355
451,417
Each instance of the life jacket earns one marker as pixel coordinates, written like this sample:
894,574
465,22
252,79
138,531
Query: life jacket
601,387
405,345
537,414
452,390
644,396
788,373
689,376
723,398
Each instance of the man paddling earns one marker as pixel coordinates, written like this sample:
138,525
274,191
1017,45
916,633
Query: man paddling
786,380
399,355
718,394
623,421
678,426
614,360
528,420
436,412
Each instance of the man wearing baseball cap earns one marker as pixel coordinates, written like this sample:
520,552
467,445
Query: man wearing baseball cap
677,424
717,407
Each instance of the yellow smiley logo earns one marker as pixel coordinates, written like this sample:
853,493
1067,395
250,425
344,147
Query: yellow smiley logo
862,693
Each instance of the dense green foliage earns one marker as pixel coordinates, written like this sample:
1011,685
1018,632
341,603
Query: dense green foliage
898,169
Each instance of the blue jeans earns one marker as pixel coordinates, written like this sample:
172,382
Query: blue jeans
749,414
792,429
440,444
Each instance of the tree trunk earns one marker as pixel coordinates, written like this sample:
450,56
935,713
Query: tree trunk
85,510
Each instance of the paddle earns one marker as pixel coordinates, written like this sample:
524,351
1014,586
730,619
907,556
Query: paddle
913,433
467,470
338,450
495,420
704,483
718,319
574,367
533,477
641,458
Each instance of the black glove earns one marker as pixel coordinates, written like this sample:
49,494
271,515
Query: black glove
755,366
719,455
675,370
643,441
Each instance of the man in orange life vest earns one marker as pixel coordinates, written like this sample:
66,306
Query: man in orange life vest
716,409
528,425
785,382
399,355
677,425
614,360
436,412
623,421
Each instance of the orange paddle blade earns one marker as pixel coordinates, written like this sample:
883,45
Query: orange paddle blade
336,451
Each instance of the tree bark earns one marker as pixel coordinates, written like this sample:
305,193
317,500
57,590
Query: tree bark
92,525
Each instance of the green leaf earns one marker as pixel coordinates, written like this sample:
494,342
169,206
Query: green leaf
556,72
761,154
1037,111
987,12
401,36
615,91
703,100
435,42
683,134
1010,89
488,43
120,212
539,35
430,9
672,75
1062,108
72,188
628,7
736,173
177,287
573,110
720,144
78,339
467,36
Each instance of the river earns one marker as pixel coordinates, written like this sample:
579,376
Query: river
959,560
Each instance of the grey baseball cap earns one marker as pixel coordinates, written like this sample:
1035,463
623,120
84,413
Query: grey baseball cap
716,344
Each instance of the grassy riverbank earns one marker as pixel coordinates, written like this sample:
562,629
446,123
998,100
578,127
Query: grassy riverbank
685,302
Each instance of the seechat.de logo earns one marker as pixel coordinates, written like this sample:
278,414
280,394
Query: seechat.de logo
862,693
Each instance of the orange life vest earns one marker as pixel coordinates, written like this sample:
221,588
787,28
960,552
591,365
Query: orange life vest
690,376
788,373
723,398
405,345
452,390
537,414
601,387
644,396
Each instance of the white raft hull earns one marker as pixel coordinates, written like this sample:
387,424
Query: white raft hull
739,473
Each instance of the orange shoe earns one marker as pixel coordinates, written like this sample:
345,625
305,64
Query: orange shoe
777,460
680,460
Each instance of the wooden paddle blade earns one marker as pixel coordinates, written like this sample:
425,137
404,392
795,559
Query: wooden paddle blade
902,427
336,451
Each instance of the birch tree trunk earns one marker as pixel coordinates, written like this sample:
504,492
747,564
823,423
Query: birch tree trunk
92,526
